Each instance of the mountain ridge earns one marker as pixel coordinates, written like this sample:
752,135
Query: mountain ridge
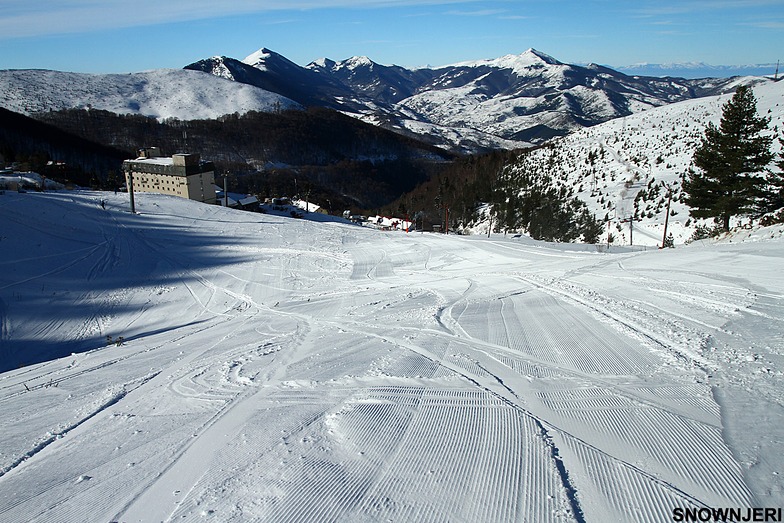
526,98
507,102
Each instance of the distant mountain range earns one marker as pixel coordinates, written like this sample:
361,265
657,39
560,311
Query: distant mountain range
508,102
699,70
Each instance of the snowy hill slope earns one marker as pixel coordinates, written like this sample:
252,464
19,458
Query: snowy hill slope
623,168
284,370
164,93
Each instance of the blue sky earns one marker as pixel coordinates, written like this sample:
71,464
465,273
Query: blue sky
106,36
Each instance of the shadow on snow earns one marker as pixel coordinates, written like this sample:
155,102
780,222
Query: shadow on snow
67,266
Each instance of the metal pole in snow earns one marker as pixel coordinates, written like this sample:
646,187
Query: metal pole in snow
630,219
130,191
225,191
666,218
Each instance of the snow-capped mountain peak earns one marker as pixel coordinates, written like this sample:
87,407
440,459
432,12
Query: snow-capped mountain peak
219,68
358,61
534,57
349,65
523,64
519,63
513,100
258,58
266,59
322,63
528,97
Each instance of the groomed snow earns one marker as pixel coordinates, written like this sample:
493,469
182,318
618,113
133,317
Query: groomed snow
275,369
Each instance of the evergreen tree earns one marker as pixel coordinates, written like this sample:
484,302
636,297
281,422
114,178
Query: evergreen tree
774,195
731,163
590,227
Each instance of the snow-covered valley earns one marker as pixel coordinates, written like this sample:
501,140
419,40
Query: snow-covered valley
274,369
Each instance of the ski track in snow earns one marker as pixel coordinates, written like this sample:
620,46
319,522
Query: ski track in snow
282,370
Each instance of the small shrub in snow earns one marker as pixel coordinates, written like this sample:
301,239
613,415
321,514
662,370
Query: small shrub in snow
772,218
702,232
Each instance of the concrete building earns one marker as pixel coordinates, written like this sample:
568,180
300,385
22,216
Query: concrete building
183,175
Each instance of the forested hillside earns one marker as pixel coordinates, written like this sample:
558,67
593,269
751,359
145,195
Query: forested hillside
487,188
459,188
342,159
32,145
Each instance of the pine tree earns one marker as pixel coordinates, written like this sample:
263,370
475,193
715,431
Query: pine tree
731,163
590,227
774,194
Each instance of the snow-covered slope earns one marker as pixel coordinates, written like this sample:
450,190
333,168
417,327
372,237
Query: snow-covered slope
624,167
164,93
274,369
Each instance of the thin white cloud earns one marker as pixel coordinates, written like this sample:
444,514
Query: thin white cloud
664,8
27,18
279,22
480,12
773,24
